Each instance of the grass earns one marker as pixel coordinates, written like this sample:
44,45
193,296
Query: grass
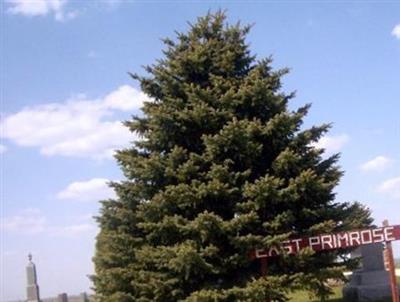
303,296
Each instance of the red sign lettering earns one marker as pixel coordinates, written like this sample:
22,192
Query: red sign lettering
333,241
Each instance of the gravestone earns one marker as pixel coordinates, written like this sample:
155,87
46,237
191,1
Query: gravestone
62,297
372,281
32,289
83,297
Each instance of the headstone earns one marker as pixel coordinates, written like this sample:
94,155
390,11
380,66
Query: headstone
83,297
62,297
371,282
32,289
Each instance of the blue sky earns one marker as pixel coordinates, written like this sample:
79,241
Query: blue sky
65,89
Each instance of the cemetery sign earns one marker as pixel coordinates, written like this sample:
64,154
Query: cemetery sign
332,241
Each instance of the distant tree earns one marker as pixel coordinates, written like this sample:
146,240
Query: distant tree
222,167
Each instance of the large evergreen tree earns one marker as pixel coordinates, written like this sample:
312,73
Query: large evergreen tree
222,167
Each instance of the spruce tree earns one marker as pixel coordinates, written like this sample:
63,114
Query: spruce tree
222,167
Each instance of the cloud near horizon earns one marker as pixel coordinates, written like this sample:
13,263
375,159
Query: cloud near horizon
74,230
91,190
32,221
390,187
332,144
78,127
396,31
378,163
29,221
3,149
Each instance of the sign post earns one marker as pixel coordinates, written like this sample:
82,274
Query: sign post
264,266
392,271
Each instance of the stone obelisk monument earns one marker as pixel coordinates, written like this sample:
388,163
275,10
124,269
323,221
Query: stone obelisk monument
32,289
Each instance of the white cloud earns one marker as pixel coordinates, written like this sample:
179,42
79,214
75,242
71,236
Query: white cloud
125,98
32,221
332,144
74,230
112,3
34,8
9,253
92,190
391,187
28,221
379,163
78,127
92,54
396,31
2,149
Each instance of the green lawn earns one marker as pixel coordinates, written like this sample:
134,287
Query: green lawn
302,296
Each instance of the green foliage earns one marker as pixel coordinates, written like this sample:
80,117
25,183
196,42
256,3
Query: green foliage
222,167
